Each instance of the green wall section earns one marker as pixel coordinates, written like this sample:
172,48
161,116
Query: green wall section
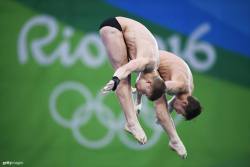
88,15
29,132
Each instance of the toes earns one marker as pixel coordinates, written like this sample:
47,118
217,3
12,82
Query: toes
139,135
184,156
179,149
143,140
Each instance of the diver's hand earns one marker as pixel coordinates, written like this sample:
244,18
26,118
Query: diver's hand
137,100
111,85
138,108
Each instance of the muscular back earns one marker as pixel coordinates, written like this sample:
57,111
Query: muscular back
139,40
174,68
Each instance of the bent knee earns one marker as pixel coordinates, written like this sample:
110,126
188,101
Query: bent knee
109,31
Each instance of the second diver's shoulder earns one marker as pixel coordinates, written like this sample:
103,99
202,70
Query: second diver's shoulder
165,55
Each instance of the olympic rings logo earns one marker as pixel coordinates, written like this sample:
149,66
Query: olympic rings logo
95,106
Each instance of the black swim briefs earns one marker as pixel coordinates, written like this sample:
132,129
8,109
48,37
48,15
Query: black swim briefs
112,22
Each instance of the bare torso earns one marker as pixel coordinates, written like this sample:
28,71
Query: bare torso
139,40
174,68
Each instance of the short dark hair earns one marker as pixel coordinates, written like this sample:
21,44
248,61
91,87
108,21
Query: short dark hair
193,108
158,88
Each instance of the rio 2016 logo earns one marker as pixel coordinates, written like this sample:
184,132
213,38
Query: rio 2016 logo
94,106
82,53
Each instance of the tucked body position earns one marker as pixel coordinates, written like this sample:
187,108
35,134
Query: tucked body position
179,83
131,47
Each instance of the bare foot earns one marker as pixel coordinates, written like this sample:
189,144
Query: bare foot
137,131
179,148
